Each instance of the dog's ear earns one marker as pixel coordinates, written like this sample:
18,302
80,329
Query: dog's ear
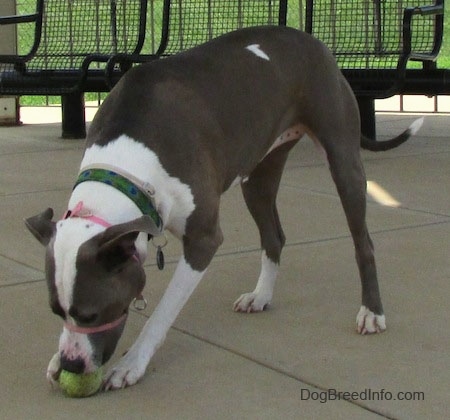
116,244
41,226
141,224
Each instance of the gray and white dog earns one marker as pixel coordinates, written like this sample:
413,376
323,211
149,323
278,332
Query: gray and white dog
170,138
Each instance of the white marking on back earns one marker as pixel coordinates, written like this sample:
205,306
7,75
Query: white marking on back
255,49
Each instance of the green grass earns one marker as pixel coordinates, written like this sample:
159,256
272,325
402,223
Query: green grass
200,25
444,56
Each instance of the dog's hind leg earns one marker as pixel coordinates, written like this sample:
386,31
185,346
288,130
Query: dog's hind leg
348,174
260,191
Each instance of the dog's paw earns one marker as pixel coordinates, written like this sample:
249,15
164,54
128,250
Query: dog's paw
54,369
125,373
252,302
368,323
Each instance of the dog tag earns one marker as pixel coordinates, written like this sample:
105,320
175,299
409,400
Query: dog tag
160,258
159,247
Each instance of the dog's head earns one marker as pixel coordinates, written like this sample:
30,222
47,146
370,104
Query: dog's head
93,274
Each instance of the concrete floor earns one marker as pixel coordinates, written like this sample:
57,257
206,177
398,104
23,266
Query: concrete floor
277,364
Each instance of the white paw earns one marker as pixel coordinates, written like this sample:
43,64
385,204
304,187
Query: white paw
125,373
252,302
368,323
54,369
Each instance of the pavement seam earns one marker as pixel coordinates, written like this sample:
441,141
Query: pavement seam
55,149
256,249
370,202
290,166
275,369
266,365
36,192
21,283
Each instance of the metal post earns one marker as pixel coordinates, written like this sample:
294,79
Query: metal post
9,105
367,113
73,116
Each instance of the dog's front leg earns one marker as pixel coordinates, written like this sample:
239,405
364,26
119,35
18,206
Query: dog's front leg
54,368
132,366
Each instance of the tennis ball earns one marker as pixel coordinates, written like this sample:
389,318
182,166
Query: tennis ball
80,385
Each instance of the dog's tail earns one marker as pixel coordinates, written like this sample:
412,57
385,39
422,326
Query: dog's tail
381,146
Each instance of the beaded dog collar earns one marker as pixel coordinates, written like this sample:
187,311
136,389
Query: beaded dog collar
139,192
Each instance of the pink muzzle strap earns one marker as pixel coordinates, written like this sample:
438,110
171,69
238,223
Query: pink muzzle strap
95,330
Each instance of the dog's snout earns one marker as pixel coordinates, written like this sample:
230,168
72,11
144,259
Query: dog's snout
84,318
76,365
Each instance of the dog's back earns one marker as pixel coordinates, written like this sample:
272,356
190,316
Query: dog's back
247,85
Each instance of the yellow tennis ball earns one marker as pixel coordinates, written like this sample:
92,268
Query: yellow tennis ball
80,385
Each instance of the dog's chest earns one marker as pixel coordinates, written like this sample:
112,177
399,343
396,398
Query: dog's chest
173,198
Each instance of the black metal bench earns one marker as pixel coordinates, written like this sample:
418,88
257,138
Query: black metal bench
374,40
188,23
71,51
193,22
87,45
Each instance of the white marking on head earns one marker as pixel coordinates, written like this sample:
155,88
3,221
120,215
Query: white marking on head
74,345
70,234
255,49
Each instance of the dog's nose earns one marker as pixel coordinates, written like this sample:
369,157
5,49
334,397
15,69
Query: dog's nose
72,365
